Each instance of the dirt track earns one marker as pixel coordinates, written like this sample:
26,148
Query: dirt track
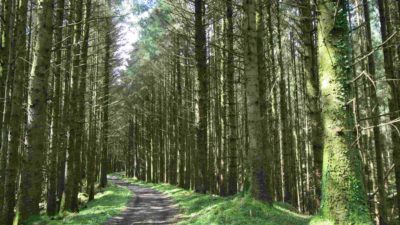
147,206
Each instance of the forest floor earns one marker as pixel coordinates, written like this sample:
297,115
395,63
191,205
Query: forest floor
240,209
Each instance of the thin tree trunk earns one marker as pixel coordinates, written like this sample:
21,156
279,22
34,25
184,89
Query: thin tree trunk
313,96
230,76
379,145
105,105
201,59
56,135
283,109
16,113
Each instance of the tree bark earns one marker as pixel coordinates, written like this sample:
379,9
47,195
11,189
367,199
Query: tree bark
201,59
31,175
230,76
313,95
56,135
105,105
17,106
344,198
256,152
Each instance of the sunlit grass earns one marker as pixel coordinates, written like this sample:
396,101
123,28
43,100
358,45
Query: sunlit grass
108,203
240,209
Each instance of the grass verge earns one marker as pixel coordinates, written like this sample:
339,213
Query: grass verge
110,202
240,209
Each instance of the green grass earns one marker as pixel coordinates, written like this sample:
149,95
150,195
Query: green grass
240,209
110,202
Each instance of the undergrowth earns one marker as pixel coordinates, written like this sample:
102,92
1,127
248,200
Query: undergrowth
107,203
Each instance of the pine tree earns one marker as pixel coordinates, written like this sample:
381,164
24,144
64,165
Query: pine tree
31,174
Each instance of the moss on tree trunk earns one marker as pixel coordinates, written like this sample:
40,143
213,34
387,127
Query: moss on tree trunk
343,197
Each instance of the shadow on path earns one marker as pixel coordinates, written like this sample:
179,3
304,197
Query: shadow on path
147,206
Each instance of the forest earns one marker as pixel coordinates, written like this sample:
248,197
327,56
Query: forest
290,107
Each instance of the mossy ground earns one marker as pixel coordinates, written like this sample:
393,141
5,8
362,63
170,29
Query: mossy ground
239,209
108,202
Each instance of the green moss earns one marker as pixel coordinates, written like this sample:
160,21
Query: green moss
108,203
343,197
240,209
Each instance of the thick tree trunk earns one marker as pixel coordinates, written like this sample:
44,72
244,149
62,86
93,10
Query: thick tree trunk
256,152
31,178
343,196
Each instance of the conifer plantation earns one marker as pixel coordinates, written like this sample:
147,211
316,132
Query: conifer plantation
289,106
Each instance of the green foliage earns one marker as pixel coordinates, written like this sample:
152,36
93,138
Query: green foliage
152,35
240,209
111,201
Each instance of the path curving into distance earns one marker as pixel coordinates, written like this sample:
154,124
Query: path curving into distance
147,206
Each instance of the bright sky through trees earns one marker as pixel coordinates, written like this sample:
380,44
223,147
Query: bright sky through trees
129,30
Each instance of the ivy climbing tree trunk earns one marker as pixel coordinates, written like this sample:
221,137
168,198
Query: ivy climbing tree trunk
343,195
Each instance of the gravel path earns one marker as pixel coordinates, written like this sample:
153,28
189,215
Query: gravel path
147,206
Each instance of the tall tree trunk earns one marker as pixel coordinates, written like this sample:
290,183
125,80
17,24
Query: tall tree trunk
313,95
64,182
17,106
82,94
56,135
344,198
181,140
394,101
379,145
256,152
201,59
7,34
65,193
105,104
286,148
230,76
73,176
31,178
